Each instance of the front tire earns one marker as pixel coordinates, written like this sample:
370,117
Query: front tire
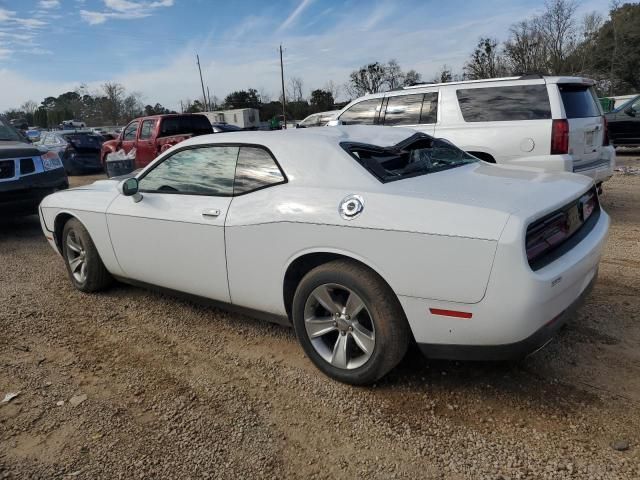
84,266
349,322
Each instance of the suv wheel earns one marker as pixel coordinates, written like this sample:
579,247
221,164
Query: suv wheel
349,322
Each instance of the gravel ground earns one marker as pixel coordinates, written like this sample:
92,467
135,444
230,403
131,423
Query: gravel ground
133,384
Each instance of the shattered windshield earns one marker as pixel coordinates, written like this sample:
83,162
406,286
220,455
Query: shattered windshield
418,155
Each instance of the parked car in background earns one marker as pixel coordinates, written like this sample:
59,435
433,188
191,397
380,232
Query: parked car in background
79,150
624,124
33,135
553,123
224,127
152,135
27,173
319,119
363,238
70,124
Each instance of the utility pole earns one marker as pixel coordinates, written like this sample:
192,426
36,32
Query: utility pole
284,100
209,98
204,95
181,107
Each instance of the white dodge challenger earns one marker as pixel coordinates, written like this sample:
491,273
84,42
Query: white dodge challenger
364,238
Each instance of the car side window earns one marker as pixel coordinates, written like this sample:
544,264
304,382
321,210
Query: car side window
256,169
147,129
429,112
194,171
499,104
362,113
130,131
403,110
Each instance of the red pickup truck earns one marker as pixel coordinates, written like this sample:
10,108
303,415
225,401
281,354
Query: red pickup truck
151,136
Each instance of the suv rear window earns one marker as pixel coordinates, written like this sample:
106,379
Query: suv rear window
183,125
579,101
501,104
419,154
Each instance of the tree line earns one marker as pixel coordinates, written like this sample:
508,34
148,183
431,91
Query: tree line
554,42
558,42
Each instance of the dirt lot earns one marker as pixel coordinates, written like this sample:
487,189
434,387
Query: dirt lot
176,390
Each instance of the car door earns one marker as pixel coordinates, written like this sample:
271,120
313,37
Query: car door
129,136
174,236
146,150
628,124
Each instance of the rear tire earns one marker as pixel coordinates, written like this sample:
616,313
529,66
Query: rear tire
349,322
84,266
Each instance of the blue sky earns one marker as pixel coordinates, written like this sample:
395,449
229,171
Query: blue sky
51,46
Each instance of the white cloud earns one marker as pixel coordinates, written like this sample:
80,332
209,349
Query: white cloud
30,23
123,10
48,4
6,15
5,53
295,14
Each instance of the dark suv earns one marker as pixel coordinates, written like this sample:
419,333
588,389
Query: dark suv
624,124
27,174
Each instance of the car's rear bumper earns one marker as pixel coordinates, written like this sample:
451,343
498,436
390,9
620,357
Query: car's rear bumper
82,162
24,194
510,351
521,307
600,169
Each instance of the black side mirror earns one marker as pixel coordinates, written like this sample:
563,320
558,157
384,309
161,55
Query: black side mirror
130,187
630,111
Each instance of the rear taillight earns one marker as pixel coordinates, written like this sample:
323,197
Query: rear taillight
605,137
559,137
546,235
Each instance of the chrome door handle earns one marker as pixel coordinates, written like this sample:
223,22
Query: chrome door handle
214,212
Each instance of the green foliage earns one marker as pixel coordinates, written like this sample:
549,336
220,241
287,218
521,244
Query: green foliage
321,100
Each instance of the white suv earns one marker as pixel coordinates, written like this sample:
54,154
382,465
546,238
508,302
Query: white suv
553,123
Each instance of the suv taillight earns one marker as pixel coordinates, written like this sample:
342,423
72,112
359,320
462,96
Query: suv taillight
605,136
560,137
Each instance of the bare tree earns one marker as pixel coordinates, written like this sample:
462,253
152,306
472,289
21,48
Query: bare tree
370,78
591,25
29,107
132,106
332,88
294,92
412,78
486,61
526,49
394,76
444,75
557,25
114,96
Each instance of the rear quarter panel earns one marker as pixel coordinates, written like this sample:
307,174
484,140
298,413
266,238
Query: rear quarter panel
266,231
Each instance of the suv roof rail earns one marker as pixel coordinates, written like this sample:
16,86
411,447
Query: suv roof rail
531,76
463,82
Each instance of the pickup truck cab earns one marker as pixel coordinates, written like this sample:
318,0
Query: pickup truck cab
152,135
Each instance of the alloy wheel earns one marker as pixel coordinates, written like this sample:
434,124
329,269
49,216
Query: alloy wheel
76,256
339,326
